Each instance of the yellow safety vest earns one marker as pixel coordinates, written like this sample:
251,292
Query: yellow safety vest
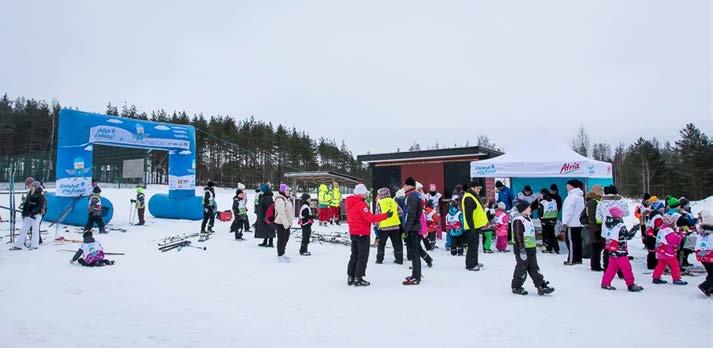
386,205
479,217
336,197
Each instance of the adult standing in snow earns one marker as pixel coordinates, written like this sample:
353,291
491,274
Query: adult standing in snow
360,220
594,228
474,219
389,228
263,229
324,198
96,211
284,215
572,208
208,207
412,227
140,204
505,195
528,196
555,192
31,216
335,203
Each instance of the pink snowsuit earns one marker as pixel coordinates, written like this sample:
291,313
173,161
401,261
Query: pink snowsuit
501,230
616,237
666,253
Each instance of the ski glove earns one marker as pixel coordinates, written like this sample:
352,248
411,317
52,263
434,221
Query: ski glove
523,254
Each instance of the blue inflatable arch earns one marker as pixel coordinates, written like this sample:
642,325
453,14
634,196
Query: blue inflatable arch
79,131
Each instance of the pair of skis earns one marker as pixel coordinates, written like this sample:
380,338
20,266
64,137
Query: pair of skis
178,246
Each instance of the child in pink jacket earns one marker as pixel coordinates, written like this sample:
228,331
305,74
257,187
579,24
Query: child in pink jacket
616,236
501,220
667,242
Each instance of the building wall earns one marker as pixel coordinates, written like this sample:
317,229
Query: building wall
425,173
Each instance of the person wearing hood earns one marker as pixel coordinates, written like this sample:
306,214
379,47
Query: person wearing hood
263,229
667,241
335,203
31,216
305,221
505,195
360,220
324,198
653,225
454,230
594,228
209,207
434,197
525,247
90,253
502,222
284,216
572,208
474,219
389,228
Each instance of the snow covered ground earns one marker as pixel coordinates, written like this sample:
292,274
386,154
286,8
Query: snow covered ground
236,294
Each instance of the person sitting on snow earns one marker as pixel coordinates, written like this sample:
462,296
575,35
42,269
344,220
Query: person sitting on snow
90,253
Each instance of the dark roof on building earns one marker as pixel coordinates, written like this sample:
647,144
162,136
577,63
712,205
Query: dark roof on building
471,151
323,177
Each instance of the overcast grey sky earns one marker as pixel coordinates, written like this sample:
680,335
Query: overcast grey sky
378,74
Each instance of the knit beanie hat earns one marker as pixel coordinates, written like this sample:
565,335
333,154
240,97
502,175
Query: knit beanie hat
305,198
502,206
97,189
499,184
616,212
284,188
264,188
361,190
383,192
410,181
521,205
672,202
554,187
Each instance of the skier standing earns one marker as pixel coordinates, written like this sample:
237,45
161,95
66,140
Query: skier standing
209,207
140,204
284,216
360,220
306,220
95,211
31,213
389,228
572,208
525,247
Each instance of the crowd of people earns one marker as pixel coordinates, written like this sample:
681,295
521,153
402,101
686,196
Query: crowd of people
412,220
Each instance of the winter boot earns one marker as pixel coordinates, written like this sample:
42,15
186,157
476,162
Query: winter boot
399,259
306,253
519,291
453,252
545,289
350,280
680,282
412,281
635,288
705,291
429,262
379,259
263,244
269,243
608,287
474,269
15,248
659,281
361,282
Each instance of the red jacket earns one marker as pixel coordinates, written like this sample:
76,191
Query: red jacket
359,217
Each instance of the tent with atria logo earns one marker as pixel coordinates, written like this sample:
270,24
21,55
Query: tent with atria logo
541,164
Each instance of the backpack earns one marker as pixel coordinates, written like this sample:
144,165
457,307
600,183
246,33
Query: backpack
271,213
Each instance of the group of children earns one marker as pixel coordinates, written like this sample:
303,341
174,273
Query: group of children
497,228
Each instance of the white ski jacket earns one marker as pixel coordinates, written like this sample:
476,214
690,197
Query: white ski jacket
572,208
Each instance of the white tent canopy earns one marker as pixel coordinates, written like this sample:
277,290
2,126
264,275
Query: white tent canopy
550,159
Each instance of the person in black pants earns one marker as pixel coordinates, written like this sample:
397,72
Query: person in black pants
474,218
526,252
572,209
595,230
284,215
306,221
208,207
96,211
360,220
412,228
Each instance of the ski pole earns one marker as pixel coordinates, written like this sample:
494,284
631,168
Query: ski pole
74,251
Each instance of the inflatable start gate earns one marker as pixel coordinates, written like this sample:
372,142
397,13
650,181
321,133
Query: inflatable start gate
77,134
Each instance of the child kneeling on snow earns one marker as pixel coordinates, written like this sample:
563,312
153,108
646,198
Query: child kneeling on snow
523,233
667,241
616,236
90,253
704,250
